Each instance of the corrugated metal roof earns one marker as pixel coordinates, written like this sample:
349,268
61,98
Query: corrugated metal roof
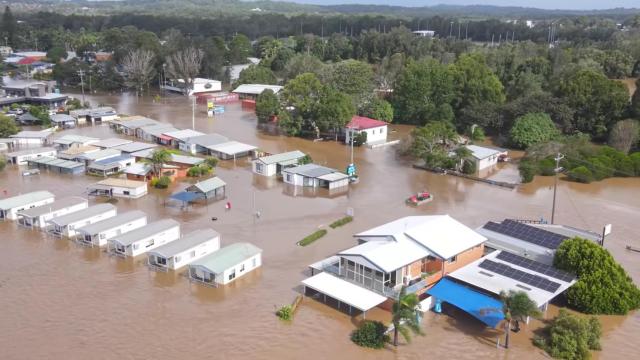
158,129
87,213
232,147
111,142
112,222
134,146
207,185
310,170
113,159
26,134
185,243
62,118
72,139
482,152
207,140
55,162
146,231
54,206
227,257
24,199
282,157
101,154
124,183
183,134
32,151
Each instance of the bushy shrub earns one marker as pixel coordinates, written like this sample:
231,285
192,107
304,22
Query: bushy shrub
603,286
469,167
3,163
285,313
340,222
477,134
531,129
212,161
153,182
547,167
308,160
370,334
193,171
570,337
580,174
163,182
527,170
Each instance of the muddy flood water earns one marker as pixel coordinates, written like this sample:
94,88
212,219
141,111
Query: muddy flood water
59,300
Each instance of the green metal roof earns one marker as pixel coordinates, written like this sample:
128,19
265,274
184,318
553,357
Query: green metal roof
227,257
207,185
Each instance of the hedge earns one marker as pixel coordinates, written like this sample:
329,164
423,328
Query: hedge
345,220
313,237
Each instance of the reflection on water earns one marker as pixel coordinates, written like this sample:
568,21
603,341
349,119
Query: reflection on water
53,292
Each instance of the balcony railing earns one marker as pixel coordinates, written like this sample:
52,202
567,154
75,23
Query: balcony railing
377,286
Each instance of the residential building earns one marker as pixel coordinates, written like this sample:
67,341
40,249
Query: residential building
179,138
231,150
30,138
251,91
376,130
97,234
71,140
23,156
111,166
134,147
274,164
130,125
111,143
313,175
75,153
213,188
200,144
56,165
226,265
485,157
63,121
112,187
144,239
95,115
37,217
89,157
11,206
66,225
185,250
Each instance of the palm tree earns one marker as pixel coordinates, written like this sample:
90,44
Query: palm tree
461,155
516,305
158,159
405,316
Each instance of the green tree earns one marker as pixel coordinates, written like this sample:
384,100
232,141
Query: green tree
461,156
57,53
371,334
431,138
8,127
291,125
423,92
603,286
404,316
516,305
239,49
378,109
256,74
214,57
301,64
158,159
354,78
570,336
531,129
333,110
282,57
267,105
303,94
9,27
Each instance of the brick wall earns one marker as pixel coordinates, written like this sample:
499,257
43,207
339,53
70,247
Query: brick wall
464,258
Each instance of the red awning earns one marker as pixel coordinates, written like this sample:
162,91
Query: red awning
165,137
27,61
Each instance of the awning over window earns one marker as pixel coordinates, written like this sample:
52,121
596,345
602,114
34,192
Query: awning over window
346,292
481,306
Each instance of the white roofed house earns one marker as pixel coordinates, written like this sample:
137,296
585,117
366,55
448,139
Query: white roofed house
111,166
67,141
200,144
414,251
130,125
312,175
66,225
63,121
226,265
111,143
185,250
179,138
99,233
155,133
89,157
485,157
144,239
231,150
134,146
274,164
75,153
27,137
22,157
212,188
251,91
113,187
37,217
95,115
11,206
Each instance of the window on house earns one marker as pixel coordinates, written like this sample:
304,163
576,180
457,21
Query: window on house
150,243
176,259
242,268
452,260
289,178
135,246
232,275
259,167
254,262
193,254
126,192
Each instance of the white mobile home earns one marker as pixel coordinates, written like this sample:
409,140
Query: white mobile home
37,217
111,143
144,239
186,250
68,141
179,138
66,225
273,164
9,207
484,157
123,188
226,264
313,175
27,137
99,233
23,156
231,150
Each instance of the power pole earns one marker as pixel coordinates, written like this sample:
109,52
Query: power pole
193,113
81,73
555,185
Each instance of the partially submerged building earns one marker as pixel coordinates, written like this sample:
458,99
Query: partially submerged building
134,146
231,150
11,206
63,121
226,265
94,115
112,187
376,130
484,157
111,166
155,133
99,233
200,144
212,188
180,137
130,125
27,137
37,217
60,166
68,141
75,153
66,225
185,250
22,157
274,164
313,175
142,240
89,157
111,143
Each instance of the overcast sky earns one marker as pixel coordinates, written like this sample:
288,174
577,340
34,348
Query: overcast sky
543,4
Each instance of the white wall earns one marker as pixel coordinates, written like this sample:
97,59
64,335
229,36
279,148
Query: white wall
151,242
267,169
340,183
70,230
248,266
187,257
378,134
12,214
101,239
133,193
30,141
41,221
22,159
298,180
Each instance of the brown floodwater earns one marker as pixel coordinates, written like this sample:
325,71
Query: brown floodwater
61,300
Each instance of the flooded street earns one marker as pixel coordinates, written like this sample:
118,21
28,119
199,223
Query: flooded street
60,300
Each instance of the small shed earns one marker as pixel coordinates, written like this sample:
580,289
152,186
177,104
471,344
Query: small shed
484,156
146,238
60,166
37,217
231,150
67,224
312,175
213,188
123,188
10,207
226,265
274,164
63,121
99,233
186,250
22,157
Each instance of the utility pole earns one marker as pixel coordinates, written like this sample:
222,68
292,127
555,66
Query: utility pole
90,87
555,185
193,113
81,73
450,29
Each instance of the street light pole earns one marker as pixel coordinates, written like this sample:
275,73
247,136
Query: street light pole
81,73
555,185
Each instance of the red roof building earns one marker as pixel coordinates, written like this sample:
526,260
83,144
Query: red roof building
376,130
363,123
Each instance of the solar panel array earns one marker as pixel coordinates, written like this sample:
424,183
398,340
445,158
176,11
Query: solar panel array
527,233
535,266
530,279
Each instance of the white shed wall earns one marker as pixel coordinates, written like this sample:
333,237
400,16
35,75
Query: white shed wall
12,214
151,242
248,267
70,230
101,239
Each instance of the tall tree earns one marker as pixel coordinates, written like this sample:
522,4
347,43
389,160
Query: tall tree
404,316
256,74
516,305
354,78
239,49
7,126
138,68
333,110
158,159
267,105
9,27
185,65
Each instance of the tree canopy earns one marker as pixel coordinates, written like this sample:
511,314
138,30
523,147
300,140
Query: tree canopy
570,337
531,129
256,74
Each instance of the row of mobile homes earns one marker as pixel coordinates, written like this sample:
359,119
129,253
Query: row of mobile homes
155,133
185,250
23,156
63,121
212,188
10,207
134,147
75,153
111,166
130,125
89,158
180,137
111,143
95,115
68,141
37,217
231,150
312,175
99,233
200,144
33,138
274,164
144,239
123,188
66,225
226,265
56,165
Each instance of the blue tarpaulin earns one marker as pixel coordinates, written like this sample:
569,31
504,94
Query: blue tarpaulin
185,196
481,306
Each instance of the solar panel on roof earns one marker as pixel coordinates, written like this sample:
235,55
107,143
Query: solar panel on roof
535,266
530,279
527,233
